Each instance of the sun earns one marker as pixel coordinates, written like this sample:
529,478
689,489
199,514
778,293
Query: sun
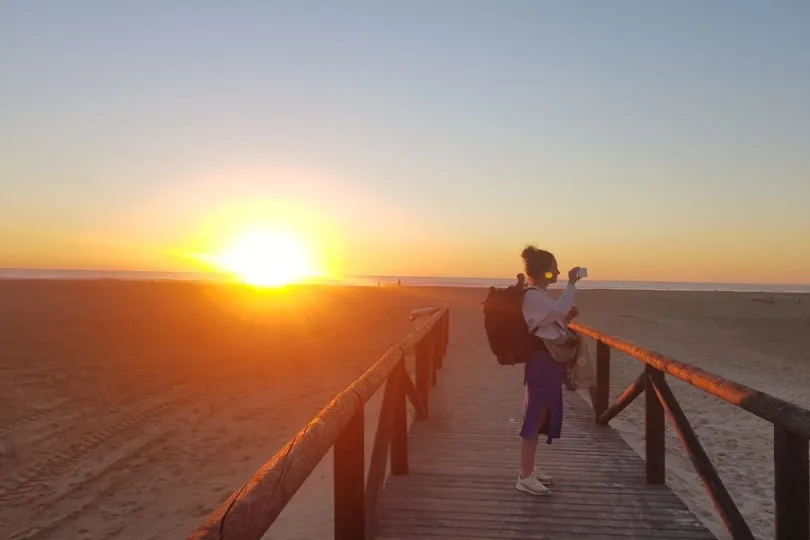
267,258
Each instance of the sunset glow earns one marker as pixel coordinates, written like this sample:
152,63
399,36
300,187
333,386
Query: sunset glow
677,160
267,258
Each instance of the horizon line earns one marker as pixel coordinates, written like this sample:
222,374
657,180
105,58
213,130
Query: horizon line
384,276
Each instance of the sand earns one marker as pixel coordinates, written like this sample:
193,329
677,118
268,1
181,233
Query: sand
131,410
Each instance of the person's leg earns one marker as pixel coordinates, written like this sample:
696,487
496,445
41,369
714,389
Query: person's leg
545,429
551,426
528,447
527,480
534,416
542,413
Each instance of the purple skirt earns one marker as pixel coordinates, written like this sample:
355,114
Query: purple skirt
543,380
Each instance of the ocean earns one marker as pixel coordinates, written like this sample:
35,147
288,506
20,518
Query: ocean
67,275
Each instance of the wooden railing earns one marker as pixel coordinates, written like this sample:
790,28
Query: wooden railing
249,512
791,425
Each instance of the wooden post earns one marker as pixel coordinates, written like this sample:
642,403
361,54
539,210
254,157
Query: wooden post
791,485
399,436
350,485
413,395
446,330
433,354
423,376
438,346
602,378
654,430
378,464
730,514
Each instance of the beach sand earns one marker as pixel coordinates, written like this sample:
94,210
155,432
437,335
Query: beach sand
131,410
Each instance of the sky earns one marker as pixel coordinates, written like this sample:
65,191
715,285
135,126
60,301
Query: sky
644,140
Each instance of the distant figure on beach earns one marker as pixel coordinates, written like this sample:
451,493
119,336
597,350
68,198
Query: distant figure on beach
521,281
543,377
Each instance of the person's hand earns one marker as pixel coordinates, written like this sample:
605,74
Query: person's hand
573,313
573,275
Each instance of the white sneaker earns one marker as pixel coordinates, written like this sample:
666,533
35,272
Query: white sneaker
543,477
532,485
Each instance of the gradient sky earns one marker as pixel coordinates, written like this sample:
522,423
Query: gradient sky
645,140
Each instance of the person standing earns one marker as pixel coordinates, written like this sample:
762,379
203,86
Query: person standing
543,403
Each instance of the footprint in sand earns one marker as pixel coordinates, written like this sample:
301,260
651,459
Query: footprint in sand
730,444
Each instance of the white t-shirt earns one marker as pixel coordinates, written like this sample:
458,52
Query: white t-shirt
541,311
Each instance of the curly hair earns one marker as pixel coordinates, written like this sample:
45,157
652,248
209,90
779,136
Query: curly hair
536,261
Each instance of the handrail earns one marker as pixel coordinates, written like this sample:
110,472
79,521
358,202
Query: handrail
250,511
766,406
791,431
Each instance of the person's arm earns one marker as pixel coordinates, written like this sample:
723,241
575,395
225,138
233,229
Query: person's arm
572,314
540,309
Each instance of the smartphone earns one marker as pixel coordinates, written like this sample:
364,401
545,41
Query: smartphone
583,272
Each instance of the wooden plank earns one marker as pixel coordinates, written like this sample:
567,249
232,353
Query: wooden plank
658,513
575,504
575,479
489,460
464,459
528,520
509,530
560,494
582,464
406,536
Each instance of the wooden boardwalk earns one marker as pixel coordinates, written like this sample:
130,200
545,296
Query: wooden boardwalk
453,475
464,463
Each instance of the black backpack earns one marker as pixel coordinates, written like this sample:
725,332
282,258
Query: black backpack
508,336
